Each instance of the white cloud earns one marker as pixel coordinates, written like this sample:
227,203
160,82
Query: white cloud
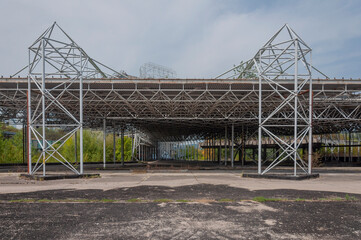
196,38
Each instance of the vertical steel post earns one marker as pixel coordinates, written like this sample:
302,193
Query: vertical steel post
189,149
43,103
23,141
177,151
213,149
29,119
122,145
344,145
197,150
339,147
184,151
207,149
358,147
132,155
259,119
220,150
296,110
232,150
104,141
114,146
349,146
81,115
225,146
76,146
310,119
242,157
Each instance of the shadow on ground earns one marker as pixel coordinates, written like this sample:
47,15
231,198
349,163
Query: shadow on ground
200,219
200,191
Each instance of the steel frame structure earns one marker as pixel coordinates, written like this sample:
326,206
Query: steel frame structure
284,56
336,105
55,54
68,89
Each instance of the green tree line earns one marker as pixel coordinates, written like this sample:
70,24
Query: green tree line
11,148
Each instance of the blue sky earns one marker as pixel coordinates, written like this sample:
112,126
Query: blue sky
197,38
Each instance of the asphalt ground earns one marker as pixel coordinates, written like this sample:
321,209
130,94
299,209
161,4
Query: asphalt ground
184,205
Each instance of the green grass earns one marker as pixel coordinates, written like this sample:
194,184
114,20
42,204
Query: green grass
133,200
263,199
337,199
350,198
332,199
300,199
182,200
46,200
92,176
84,200
106,200
163,200
25,200
323,199
225,200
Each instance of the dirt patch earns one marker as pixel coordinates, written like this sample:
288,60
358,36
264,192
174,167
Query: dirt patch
251,206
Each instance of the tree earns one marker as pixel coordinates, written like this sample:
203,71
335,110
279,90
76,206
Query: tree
11,149
127,149
245,70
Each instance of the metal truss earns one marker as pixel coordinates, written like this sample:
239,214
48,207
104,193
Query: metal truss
186,108
55,54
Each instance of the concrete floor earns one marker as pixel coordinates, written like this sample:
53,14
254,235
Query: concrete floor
111,179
